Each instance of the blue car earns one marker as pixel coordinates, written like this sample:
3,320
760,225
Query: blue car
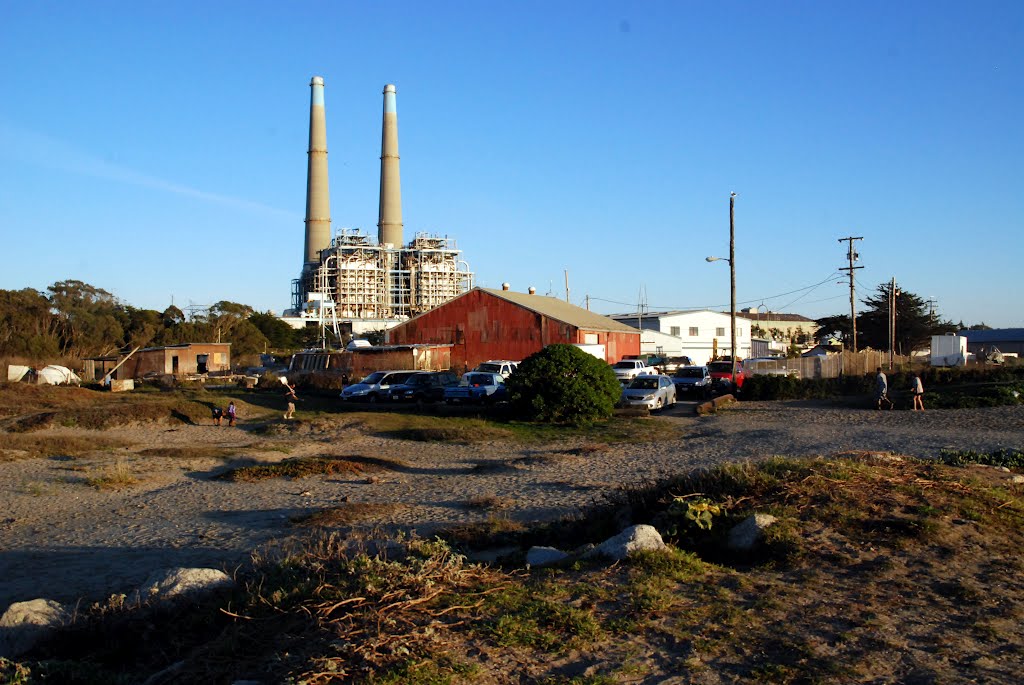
375,387
477,388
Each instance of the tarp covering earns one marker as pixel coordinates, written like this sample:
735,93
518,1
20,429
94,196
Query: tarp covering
16,372
58,375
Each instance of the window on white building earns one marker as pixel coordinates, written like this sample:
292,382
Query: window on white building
673,330
693,331
720,332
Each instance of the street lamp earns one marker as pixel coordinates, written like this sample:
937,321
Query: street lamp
732,279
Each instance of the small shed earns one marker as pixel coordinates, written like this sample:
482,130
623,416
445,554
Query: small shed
485,324
186,359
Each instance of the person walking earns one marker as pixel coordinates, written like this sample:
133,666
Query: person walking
217,413
881,390
291,398
917,390
230,413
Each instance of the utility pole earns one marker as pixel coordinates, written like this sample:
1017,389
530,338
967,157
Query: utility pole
852,256
894,292
732,280
566,285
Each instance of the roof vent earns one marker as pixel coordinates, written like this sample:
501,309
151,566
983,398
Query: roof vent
532,290
505,286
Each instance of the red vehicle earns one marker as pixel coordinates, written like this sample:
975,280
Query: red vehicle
720,375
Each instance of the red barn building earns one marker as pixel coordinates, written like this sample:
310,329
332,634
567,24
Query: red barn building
487,324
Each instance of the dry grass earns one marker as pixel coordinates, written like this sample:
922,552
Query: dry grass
223,453
878,570
347,514
34,446
25,408
114,477
313,466
490,501
421,428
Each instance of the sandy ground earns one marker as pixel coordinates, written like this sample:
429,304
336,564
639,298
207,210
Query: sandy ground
62,539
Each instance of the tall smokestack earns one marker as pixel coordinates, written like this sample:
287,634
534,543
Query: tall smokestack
389,225
318,201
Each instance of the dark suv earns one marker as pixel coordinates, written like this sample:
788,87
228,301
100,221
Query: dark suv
425,386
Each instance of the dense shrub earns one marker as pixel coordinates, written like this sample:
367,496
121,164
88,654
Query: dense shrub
563,384
790,388
945,388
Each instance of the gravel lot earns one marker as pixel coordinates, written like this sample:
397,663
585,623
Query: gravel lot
65,540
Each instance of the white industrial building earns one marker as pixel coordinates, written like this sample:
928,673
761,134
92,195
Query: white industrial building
352,283
699,334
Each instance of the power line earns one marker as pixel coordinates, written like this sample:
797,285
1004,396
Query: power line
649,307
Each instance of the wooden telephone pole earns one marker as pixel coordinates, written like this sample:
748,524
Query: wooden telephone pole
852,256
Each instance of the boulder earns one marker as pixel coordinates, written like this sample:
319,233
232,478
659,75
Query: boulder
747,534
25,623
182,583
633,539
544,556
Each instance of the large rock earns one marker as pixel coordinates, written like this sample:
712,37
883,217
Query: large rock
182,583
25,623
746,535
633,539
544,556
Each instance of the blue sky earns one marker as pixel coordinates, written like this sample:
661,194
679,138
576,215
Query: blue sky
159,150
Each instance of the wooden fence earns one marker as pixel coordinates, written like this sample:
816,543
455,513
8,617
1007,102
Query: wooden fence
832,366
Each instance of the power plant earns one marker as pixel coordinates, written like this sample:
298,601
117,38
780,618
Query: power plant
356,282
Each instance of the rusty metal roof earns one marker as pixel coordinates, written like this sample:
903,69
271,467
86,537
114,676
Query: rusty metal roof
561,310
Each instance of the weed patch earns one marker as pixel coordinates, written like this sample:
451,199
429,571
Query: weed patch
29,446
191,452
113,477
311,466
1007,457
346,514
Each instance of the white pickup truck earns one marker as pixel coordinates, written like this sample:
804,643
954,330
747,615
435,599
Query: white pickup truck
628,369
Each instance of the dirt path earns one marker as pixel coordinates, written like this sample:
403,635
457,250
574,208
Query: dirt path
63,539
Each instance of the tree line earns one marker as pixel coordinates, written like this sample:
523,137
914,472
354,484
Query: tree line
77,320
915,322
73,319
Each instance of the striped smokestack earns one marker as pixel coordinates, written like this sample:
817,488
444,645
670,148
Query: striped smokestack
318,202
389,225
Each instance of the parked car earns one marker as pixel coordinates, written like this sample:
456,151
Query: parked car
628,369
502,366
721,372
374,387
477,388
692,380
651,391
672,363
425,386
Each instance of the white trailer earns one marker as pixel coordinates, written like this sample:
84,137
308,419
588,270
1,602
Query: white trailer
594,349
949,350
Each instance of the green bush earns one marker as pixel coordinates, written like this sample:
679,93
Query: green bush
563,384
789,388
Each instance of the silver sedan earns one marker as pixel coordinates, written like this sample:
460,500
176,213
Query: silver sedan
653,392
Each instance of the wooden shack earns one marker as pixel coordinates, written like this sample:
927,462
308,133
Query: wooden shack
186,359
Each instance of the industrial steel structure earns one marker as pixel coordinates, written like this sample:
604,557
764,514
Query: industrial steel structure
352,277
